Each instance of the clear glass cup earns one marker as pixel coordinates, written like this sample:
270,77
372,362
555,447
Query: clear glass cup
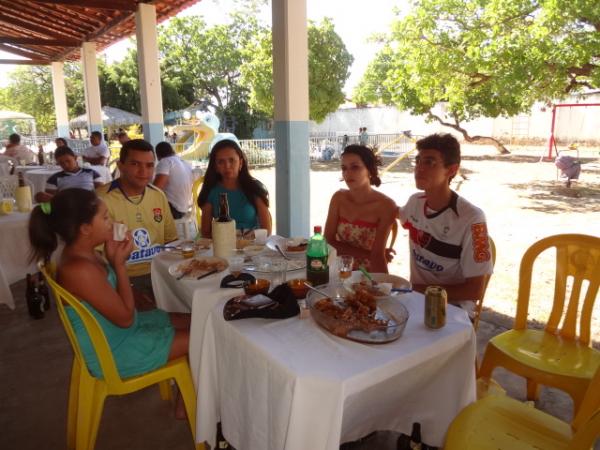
278,272
188,250
236,264
260,236
345,263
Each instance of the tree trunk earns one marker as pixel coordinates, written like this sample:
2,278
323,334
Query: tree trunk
474,139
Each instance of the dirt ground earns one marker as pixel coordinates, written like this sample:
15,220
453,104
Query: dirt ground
522,199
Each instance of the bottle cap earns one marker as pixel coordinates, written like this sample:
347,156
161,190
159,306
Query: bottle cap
318,229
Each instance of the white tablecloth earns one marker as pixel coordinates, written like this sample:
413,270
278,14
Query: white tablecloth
288,384
14,253
39,176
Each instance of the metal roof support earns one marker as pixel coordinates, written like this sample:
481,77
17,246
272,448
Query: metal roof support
91,85
290,79
149,73
60,99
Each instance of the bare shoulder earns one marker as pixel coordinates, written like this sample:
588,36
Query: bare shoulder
385,201
339,196
75,272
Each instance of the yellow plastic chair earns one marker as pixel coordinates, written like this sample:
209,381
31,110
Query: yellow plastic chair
479,302
87,393
196,211
557,356
502,423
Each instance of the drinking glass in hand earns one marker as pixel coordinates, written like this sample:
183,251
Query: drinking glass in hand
345,266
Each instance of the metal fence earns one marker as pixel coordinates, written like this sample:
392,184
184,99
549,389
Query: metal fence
261,152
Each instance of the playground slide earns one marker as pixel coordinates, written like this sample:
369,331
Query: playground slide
201,135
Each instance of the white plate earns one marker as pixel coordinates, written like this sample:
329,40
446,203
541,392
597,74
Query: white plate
211,262
387,282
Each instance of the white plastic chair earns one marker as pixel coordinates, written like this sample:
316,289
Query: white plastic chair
8,185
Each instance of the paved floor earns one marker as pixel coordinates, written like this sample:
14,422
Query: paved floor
35,360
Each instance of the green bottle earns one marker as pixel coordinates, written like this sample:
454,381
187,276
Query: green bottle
317,252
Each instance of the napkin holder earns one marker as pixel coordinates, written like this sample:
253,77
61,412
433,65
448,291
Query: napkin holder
224,239
23,198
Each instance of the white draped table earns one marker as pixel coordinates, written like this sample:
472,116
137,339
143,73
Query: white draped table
14,253
38,176
288,384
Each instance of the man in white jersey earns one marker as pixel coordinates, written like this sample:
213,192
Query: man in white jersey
174,176
448,237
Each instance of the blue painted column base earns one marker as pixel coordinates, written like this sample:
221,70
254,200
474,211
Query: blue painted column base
154,132
95,127
292,178
62,131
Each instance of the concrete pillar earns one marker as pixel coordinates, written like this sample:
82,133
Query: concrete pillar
60,99
149,73
290,80
91,86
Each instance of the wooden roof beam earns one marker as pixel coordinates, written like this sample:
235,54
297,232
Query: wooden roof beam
66,23
14,22
39,41
23,51
30,62
119,5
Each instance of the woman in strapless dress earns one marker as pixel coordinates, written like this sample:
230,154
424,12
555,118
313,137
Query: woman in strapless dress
360,218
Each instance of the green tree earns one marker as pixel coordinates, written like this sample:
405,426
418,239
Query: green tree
485,58
30,92
328,69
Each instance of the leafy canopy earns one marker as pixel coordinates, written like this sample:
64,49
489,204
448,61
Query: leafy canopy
328,69
485,57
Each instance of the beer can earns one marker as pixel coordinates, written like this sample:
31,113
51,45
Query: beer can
436,299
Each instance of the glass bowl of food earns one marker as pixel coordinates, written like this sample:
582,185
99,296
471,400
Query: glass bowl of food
357,316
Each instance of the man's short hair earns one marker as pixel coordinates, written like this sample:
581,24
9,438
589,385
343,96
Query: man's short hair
96,134
164,149
446,144
14,138
62,151
139,145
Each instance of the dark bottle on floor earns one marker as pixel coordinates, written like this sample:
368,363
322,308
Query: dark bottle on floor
415,437
44,292
35,300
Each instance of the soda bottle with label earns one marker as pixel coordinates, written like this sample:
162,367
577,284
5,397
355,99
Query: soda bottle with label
317,252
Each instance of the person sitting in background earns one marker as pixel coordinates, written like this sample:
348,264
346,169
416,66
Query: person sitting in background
60,142
22,153
132,200
122,137
448,237
228,172
97,154
360,218
71,176
140,342
174,177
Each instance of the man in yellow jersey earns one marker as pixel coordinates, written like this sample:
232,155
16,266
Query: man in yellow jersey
132,200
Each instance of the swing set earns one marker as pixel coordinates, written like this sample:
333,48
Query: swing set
552,140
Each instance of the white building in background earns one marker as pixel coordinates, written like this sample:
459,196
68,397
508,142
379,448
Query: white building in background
581,124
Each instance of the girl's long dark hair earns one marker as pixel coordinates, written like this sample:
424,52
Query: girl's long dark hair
69,209
250,186
369,159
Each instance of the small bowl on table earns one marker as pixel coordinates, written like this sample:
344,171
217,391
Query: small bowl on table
258,286
298,287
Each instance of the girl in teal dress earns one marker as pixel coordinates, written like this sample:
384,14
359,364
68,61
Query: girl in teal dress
140,341
248,198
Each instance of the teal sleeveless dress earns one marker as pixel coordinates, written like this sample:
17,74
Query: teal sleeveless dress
137,349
